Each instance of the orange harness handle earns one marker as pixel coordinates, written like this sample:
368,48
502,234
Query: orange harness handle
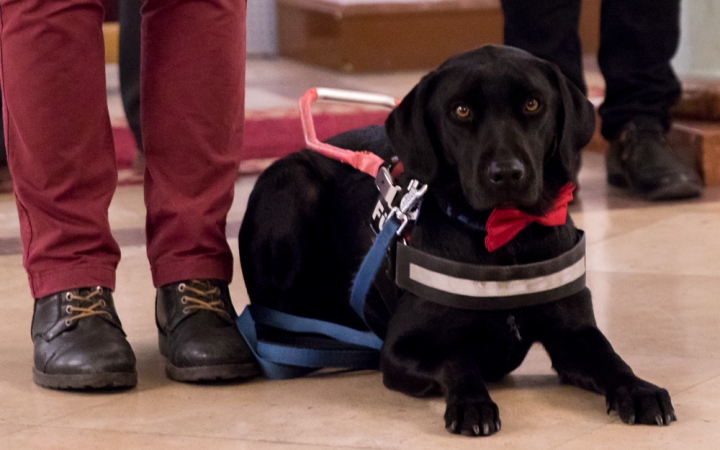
364,161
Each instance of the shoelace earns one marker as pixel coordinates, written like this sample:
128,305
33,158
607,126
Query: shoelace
207,300
92,310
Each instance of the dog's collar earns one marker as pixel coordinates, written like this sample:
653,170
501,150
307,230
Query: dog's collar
464,219
503,224
481,287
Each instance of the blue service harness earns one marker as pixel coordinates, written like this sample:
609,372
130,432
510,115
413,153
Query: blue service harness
449,283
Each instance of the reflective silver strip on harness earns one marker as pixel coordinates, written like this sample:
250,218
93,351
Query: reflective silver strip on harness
478,287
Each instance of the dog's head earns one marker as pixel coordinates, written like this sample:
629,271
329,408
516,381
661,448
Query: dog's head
496,126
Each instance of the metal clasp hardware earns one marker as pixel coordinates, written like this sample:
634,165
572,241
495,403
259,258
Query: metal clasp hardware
385,184
409,205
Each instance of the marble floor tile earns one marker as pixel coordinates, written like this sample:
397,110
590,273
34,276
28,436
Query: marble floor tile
352,410
65,438
697,427
291,79
261,99
681,244
660,315
24,403
9,225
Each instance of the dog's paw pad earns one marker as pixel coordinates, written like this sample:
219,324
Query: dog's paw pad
642,402
473,418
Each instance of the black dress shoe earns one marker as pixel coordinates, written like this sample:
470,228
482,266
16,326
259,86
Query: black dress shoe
198,335
80,343
642,160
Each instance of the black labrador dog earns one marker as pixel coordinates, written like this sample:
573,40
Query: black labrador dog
494,127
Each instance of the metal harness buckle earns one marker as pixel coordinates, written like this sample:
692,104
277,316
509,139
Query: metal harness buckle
409,205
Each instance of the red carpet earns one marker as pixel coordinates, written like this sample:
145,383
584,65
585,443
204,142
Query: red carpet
268,135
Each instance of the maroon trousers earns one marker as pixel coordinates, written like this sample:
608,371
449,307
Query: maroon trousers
60,148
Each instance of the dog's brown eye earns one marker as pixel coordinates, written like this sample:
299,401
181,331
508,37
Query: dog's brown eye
462,111
531,105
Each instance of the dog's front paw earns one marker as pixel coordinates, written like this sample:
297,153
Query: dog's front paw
641,402
473,418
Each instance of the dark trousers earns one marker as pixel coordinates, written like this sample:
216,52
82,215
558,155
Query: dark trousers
637,40
130,19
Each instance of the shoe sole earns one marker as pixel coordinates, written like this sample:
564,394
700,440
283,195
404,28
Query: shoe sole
677,191
113,380
215,372
212,373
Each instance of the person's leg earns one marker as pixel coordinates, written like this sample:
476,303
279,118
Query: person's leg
59,141
5,179
3,152
129,18
548,29
192,102
637,41
60,153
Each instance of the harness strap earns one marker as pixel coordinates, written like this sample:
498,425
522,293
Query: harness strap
478,287
363,161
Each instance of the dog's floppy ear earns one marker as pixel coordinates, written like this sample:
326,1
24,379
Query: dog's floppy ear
575,125
405,126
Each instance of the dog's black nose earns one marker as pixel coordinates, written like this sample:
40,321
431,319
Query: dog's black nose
506,173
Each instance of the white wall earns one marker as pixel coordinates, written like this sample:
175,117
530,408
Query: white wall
699,52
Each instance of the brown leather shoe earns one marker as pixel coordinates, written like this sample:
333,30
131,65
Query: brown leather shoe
80,343
198,335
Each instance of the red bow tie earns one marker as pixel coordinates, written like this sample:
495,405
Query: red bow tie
504,223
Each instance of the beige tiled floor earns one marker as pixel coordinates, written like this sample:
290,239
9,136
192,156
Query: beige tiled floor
653,269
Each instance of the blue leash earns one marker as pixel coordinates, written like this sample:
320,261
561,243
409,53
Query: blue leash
361,350
371,264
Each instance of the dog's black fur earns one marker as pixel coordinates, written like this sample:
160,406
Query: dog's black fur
306,231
